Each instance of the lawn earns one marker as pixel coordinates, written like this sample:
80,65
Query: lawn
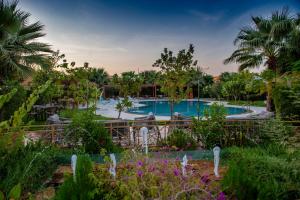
259,103
69,113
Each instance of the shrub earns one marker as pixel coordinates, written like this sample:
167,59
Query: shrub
82,187
210,130
14,103
85,130
286,96
262,174
274,131
30,166
181,139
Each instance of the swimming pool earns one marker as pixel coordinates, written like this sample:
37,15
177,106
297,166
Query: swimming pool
186,108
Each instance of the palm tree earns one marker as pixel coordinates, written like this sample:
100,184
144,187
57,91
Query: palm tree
263,43
99,76
20,53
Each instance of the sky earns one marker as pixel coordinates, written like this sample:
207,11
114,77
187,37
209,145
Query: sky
129,35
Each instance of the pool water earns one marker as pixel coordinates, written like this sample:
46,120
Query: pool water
186,108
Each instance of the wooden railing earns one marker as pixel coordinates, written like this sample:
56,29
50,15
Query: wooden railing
126,132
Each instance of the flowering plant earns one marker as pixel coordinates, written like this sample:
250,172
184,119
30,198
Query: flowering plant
143,177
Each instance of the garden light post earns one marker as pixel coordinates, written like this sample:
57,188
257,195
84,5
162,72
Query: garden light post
144,133
216,151
112,167
73,166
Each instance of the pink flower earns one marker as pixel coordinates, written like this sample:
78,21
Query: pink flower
151,168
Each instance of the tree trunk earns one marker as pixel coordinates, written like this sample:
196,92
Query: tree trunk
119,114
270,103
171,108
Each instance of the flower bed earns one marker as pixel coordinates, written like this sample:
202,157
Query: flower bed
159,179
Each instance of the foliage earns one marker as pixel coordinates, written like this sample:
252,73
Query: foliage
149,76
82,187
210,130
143,178
29,166
129,83
19,52
268,42
17,119
274,131
14,193
5,98
15,101
98,76
54,92
123,105
259,174
85,131
181,139
175,73
286,96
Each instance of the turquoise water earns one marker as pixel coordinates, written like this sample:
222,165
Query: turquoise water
186,108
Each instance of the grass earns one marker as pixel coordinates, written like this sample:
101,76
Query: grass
69,113
259,103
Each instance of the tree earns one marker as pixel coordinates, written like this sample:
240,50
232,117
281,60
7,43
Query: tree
122,105
149,76
175,71
98,76
264,43
20,53
129,83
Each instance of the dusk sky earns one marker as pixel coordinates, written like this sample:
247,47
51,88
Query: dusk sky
130,35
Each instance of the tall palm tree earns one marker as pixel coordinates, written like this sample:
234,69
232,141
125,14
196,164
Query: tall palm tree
20,53
263,43
99,76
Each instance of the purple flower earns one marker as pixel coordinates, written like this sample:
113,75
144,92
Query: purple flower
139,173
176,172
165,162
204,179
139,163
221,196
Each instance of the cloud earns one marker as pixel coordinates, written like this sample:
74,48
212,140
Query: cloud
205,16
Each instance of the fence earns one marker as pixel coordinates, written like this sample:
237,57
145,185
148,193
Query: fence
126,133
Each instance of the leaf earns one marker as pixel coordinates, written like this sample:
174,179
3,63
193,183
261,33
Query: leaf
15,192
2,196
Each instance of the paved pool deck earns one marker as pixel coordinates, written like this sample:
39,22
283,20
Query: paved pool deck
107,108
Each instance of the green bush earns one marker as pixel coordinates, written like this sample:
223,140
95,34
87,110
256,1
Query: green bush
274,131
30,166
263,174
286,96
85,130
182,140
210,130
15,102
83,186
